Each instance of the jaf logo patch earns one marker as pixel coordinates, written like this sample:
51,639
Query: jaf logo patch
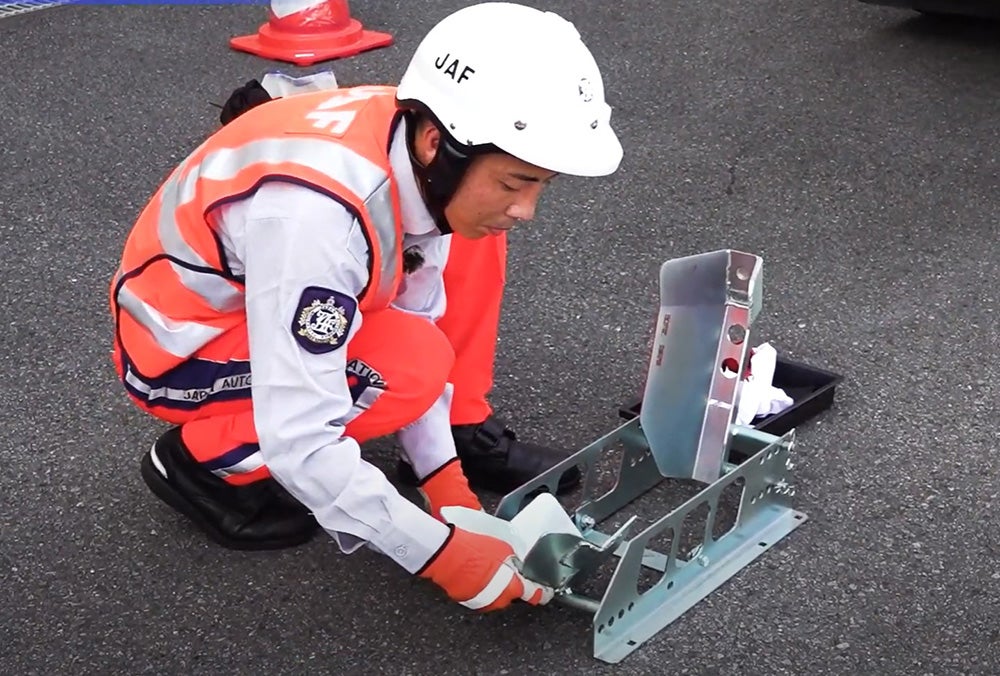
323,319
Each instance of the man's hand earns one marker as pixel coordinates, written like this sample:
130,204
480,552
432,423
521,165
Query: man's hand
478,571
447,487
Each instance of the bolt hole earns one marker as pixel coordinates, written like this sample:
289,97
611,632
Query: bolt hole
670,585
621,613
631,643
737,334
611,621
762,544
631,606
600,629
730,367
798,517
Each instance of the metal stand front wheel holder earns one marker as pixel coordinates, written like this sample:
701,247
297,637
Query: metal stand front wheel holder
686,430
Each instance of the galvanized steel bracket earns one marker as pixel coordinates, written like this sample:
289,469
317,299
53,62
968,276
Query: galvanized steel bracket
686,430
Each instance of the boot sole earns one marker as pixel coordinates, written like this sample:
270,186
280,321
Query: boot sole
162,489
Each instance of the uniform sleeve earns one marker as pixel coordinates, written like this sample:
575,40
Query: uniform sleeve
305,262
428,442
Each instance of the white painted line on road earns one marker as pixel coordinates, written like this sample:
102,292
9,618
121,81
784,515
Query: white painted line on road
8,9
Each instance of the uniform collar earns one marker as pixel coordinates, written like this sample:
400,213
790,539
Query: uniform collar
417,220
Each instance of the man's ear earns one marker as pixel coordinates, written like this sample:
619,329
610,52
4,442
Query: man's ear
428,138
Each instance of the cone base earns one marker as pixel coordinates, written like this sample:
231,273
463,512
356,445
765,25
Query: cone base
306,49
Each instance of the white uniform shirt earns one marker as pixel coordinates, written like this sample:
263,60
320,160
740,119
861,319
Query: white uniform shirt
284,238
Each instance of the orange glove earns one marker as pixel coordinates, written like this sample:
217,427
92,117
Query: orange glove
447,487
478,571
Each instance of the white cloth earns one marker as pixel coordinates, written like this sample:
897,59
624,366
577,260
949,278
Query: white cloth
280,85
283,238
758,396
542,516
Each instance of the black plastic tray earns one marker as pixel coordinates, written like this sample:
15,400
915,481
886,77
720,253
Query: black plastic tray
811,388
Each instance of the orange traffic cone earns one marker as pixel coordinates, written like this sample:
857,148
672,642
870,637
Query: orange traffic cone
305,32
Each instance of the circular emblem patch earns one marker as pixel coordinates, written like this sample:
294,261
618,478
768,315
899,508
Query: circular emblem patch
323,319
324,322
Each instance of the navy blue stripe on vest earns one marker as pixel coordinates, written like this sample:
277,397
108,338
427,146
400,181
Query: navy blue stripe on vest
230,458
191,385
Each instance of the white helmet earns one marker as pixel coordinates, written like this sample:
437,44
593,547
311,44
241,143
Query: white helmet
519,79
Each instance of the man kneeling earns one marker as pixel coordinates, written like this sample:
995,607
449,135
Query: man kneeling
276,300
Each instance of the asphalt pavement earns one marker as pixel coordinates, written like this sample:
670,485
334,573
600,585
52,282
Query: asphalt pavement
852,146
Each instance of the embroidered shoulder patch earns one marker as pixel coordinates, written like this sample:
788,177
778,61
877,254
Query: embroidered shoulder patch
323,319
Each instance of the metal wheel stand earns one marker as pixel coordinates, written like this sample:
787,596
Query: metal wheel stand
685,430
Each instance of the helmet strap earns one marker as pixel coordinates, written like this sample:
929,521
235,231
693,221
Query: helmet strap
439,179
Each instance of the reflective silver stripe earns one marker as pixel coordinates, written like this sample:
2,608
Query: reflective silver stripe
224,384
220,294
327,157
379,205
342,164
178,338
358,174
244,466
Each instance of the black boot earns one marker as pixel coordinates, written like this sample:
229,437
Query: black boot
261,515
494,459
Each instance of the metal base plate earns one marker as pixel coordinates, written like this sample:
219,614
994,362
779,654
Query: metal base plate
626,618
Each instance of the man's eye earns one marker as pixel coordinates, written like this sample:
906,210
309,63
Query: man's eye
508,188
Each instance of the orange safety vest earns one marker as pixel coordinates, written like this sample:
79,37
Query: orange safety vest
174,294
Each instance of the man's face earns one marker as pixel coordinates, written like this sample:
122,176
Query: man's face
496,192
